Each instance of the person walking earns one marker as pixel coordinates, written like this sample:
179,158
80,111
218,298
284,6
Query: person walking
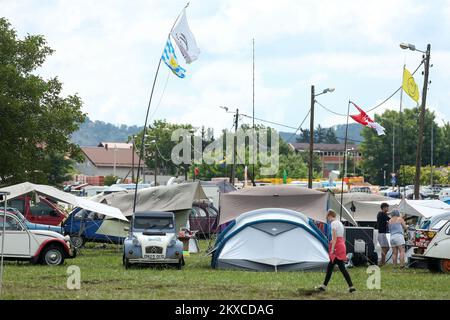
337,252
383,229
396,227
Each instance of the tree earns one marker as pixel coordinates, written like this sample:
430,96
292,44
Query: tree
158,146
377,150
330,136
35,120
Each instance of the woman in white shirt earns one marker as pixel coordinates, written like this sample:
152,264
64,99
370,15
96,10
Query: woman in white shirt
337,252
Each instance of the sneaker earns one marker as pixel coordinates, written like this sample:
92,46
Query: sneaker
321,288
351,289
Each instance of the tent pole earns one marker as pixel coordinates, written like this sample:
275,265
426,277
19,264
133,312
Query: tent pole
345,159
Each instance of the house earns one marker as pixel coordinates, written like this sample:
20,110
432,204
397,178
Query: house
331,155
109,158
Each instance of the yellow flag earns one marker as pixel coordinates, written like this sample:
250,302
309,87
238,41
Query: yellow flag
410,86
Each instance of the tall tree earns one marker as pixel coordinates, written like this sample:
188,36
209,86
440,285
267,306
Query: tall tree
36,121
377,150
330,136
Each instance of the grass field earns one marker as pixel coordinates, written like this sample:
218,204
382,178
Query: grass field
103,277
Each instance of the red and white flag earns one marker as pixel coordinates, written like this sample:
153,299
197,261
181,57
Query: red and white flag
364,119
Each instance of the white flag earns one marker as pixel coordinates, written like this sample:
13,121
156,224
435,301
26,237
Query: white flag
185,40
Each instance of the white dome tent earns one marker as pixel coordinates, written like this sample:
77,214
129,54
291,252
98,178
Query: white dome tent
271,239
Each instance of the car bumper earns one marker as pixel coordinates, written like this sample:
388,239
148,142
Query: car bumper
159,261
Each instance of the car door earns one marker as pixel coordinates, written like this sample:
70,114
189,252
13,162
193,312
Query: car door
439,247
44,212
17,238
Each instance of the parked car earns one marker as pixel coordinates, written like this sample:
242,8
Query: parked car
153,240
37,246
444,194
434,247
203,219
30,225
43,211
82,226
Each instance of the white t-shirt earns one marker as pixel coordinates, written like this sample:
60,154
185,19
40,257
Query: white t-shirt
339,227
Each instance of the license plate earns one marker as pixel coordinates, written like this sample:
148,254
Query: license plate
153,256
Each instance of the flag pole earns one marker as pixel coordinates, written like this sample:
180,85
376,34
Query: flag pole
146,118
345,159
401,140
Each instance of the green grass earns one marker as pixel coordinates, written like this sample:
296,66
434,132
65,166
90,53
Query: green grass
103,277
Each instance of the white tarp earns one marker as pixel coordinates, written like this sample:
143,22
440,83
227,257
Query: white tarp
367,210
27,187
423,208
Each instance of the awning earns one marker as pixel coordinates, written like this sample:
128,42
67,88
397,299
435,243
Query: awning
423,208
27,187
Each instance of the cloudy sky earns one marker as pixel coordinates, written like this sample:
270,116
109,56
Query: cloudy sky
107,52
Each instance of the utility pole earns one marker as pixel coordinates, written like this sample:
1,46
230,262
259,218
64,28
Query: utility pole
422,124
253,118
233,169
156,166
393,153
311,139
132,162
432,147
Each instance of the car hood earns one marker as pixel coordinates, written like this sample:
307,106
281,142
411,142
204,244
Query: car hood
146,240
47,233
38,226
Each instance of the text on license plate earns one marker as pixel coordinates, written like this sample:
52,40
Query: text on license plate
154,256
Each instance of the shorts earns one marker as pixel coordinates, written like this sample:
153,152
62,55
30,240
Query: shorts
397,240
383,240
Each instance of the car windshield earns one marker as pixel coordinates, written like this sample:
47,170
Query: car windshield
153,223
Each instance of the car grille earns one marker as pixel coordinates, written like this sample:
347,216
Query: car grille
154,249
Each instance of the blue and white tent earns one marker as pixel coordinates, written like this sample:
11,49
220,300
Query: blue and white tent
271,239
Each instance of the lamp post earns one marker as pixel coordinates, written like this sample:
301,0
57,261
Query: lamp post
426,57
311,131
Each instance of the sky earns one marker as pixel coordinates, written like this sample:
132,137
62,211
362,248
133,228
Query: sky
107,52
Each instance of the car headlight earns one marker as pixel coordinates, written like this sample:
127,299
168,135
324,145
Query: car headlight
136,242
172,242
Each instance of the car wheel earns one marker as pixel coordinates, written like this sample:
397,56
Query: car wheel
444,265
126,262
53,256
77,241
180,264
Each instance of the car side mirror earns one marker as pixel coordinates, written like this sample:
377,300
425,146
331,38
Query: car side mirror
126,229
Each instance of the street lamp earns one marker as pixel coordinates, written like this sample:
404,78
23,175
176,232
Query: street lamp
427,54
311,132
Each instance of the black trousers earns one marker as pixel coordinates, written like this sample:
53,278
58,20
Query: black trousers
344,271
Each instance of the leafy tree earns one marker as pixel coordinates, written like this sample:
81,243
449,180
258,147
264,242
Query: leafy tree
377,150
35,120
330,136
110,180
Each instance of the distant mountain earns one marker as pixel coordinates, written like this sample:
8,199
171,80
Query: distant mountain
91,133
354,133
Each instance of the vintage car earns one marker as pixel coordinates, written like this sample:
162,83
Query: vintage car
82,226
36,246
31,225
203,219
153,240
44,211
433,247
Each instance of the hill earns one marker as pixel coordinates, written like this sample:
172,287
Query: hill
93,132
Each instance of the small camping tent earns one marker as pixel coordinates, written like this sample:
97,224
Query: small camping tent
312,203
271,239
